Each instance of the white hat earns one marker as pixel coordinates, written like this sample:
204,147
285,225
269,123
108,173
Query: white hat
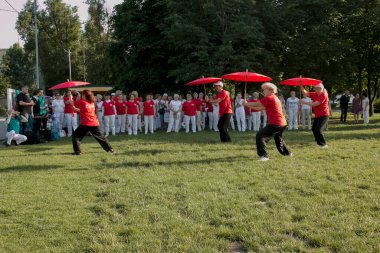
165,95
113,94
320,85
219,83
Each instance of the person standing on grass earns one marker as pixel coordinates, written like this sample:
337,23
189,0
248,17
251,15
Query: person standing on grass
344,101
24,104
240,113
121,114
306,113
89,123
71,119
210,112
133,112
175,108
356,107
58,107
149,113
276,122
100,111
215,114
109,109
365,108
198,104
292,108
225,111
256,114
320,105
190,111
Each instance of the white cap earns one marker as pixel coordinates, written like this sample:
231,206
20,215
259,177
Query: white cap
320,85
165,95
219,83
113,94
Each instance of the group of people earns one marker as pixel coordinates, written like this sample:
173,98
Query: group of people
360,106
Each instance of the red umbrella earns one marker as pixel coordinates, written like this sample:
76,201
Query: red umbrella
305,81
68,84
247,77
203,81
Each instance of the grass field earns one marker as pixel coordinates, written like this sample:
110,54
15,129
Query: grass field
189,193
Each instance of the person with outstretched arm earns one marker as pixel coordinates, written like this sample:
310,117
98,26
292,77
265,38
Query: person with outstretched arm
320,106
89,123
225,111
276,122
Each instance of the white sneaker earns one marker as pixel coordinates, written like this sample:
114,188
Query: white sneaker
324,147
263,159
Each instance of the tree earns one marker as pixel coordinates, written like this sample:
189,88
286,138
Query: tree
16,66
4,84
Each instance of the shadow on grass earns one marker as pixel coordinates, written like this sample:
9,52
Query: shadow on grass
29,168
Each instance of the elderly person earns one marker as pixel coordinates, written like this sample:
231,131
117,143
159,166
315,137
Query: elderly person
149,113
320,105
100,111
133,110
225,111
190,110
58,107
240,113
13,121
256,114
344,101
175,108
276,122
109,115
306,113
71,118
365,108
292,108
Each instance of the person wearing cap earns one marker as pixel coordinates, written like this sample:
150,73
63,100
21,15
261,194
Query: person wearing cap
240,113
320,105
175,108
276,122
225,111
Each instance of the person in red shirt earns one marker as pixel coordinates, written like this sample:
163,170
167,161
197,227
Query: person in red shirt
89,123
256,114
121,114
189,109
225,111
139,116
133,112
320,105
203,110
109,109
276,122
198,105
71,119
210,111
149,113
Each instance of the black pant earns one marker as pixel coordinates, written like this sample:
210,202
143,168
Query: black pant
265,134
223,124
343,115
82,131
319,125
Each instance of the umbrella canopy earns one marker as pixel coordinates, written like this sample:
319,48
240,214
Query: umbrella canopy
68,84
301,80
248,77
204,80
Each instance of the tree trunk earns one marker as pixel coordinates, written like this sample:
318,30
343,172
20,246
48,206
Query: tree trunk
375,89
369,95
360,71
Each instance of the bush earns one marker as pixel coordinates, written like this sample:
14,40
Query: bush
376,106
3,111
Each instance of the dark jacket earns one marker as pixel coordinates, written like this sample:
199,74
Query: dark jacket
344,100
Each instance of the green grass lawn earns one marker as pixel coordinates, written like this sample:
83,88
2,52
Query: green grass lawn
190,193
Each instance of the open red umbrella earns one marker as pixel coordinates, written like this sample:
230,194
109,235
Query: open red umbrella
68,84
247,77
203,81
305,81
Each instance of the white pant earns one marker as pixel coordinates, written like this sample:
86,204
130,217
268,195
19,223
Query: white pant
293,119
109,123
187,120
60,119
215,120
232,123
264,118
306,115
249,122
132,124
19,138
174,122
366,116
139,125
198,118
148,120
120,125
256,118
210,120
71,123
203,120
240,119
101,121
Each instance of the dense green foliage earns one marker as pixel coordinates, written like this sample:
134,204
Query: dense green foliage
189,193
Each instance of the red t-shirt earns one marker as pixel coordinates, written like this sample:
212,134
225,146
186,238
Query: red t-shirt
189,108
209,107
120,107
203,105
321,110
109,108
87,113
132,107
255,101
68,107
225,106
149,108
198,103
274,110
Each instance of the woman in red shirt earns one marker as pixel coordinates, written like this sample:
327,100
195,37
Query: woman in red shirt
320,105
109,115
276,122
121,114
71,119
89,123
149,111
210,114
133,112
189,109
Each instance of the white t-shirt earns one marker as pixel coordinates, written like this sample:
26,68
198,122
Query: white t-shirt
365,102
293,103
58,105
175,105
99,106
306,100
239,104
